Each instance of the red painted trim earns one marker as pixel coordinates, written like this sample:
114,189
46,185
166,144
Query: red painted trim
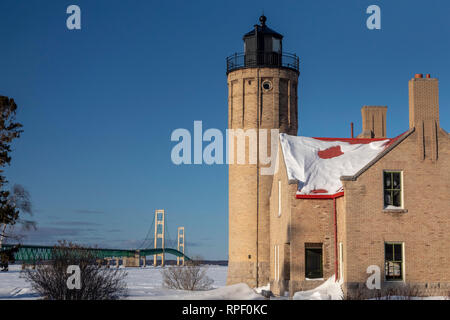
330,153
392,140
319,196
336,267
352,140
334,197
319,191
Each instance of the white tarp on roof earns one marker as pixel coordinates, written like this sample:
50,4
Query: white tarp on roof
303,163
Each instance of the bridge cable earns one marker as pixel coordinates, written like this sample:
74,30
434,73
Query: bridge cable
142,246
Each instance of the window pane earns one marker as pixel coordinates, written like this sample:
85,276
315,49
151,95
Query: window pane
387,198
275,45
387,180
393,270
388,252
390,268
397,252
396,180
397,198
397,269
313,263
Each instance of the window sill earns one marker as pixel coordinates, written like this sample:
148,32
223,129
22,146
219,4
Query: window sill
314,279
395,210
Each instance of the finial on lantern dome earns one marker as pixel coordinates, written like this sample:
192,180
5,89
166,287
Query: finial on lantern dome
262,19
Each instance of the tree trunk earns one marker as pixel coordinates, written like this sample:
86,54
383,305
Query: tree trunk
2,234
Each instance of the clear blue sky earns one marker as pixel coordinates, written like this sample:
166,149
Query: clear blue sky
98,105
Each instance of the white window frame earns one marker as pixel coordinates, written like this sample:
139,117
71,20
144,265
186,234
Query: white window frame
276,262
403,261
402,206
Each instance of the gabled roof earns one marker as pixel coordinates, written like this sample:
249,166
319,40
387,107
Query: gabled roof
317,164
391,145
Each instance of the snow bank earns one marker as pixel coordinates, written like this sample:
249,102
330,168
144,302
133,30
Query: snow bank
329,290
13,286
142,283
260,289
318,165
240,291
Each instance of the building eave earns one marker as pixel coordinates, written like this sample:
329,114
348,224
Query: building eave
320,196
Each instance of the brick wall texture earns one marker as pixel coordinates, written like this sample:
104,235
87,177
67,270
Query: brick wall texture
275,234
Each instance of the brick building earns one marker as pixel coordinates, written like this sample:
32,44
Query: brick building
337,206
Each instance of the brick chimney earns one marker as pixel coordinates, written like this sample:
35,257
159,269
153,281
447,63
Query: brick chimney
424,114
373,122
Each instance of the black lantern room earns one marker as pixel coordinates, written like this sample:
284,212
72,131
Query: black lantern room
263,47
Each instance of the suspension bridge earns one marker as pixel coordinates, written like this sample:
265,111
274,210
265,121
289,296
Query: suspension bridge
154,245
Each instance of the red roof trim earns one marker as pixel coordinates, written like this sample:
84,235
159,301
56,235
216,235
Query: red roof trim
392,140
353,140
319,191
319,196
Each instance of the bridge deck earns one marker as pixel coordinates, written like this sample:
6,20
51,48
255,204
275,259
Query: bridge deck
34,253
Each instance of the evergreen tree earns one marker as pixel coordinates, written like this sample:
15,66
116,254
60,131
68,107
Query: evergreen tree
16,200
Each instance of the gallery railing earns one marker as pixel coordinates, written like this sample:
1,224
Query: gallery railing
262,60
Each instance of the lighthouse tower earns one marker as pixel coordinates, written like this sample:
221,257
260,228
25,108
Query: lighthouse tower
262,95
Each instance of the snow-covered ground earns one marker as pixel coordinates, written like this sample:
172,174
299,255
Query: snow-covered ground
146,283
143,283
329,290
13,286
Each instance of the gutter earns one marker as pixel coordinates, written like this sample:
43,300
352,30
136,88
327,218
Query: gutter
319,196
336,264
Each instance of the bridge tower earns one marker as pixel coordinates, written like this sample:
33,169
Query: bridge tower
159,234
181,243
262,95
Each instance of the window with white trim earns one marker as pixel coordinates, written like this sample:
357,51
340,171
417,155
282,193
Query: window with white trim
392,188
393,261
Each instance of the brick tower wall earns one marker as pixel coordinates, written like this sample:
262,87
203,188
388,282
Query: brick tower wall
249,191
